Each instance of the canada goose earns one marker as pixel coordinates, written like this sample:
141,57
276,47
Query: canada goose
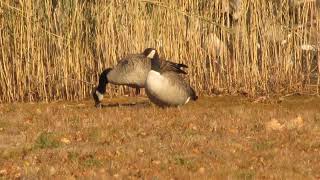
165,87
132,71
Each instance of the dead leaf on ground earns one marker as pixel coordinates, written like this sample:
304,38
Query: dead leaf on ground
157,162
193,127
38,111
140,151
65,140
3,172
202,170
297,122
274,125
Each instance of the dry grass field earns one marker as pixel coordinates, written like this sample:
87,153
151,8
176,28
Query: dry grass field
53,50
215,137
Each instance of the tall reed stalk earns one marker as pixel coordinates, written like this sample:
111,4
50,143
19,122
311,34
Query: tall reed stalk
53,50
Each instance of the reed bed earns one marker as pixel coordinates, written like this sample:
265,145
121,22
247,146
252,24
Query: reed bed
55,50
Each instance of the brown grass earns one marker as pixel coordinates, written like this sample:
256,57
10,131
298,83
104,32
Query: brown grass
55,49
220,137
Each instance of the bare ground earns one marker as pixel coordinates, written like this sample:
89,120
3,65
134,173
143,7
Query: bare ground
215,137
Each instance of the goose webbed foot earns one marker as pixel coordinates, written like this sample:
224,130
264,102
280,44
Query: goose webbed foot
98,105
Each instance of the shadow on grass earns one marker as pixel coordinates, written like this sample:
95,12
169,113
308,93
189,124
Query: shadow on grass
134,104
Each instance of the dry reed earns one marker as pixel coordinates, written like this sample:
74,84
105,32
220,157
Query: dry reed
53,50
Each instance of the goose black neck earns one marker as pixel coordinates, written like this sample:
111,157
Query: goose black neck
103,81
155,63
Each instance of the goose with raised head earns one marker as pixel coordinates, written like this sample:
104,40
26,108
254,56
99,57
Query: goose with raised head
132,70
165,87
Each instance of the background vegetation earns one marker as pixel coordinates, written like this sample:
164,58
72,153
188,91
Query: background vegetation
54,49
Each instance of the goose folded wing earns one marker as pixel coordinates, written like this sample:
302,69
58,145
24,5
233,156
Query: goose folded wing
171,66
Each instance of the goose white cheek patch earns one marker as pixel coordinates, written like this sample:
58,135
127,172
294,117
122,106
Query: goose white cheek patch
187,100
100,96
151,54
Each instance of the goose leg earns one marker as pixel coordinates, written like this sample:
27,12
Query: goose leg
137,91
318,85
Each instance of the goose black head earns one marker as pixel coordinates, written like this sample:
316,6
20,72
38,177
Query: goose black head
151,53
99,91
154,56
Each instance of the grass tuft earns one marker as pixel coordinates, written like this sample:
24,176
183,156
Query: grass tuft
90,161
47,140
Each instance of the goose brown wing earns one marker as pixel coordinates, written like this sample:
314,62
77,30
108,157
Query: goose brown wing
130,70
166,65
178,81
